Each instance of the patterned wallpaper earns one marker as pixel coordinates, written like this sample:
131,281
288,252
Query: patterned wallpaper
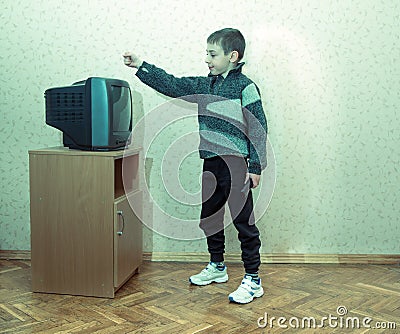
329,75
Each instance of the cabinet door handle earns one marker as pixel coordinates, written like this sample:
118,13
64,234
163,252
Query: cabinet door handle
121,214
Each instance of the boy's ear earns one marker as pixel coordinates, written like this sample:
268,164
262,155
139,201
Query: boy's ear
234,57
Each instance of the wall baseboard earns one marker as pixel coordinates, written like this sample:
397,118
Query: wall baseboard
272,258
281,258
15,255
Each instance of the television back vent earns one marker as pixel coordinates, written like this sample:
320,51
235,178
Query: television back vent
65,107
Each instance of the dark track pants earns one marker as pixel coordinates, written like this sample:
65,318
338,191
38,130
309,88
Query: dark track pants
223,181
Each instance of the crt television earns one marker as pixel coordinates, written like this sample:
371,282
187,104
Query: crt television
94,114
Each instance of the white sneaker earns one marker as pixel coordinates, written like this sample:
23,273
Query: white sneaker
247,291
208,275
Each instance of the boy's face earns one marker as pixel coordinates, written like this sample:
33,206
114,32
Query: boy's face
217,61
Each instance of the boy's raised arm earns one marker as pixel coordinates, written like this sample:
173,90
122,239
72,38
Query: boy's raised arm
163,82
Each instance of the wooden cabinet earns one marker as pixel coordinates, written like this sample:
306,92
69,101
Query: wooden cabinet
85,237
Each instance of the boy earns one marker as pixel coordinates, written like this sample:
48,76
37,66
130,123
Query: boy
233,133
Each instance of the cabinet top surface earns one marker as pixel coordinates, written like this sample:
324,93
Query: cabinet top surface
67,151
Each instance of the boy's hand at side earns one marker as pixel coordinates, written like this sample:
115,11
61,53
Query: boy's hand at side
254,178
132,60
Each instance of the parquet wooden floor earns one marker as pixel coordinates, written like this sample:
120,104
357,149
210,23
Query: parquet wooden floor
160,300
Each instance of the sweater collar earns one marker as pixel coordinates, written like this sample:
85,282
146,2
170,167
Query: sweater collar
237,69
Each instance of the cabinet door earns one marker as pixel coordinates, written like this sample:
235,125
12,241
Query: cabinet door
127,238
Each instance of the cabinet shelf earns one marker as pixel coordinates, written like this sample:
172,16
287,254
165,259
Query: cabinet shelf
126,178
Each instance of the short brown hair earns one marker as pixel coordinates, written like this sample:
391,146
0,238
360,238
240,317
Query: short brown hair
229,39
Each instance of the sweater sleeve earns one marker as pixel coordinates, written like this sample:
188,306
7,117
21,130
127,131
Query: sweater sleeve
168,84
257,128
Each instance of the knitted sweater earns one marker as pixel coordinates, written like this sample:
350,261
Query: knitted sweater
230,113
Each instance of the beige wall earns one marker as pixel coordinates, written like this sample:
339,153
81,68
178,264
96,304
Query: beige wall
329,77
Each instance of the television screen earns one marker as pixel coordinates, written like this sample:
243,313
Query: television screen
121,108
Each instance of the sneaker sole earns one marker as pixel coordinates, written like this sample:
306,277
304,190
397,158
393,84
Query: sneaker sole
222,279
257,294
